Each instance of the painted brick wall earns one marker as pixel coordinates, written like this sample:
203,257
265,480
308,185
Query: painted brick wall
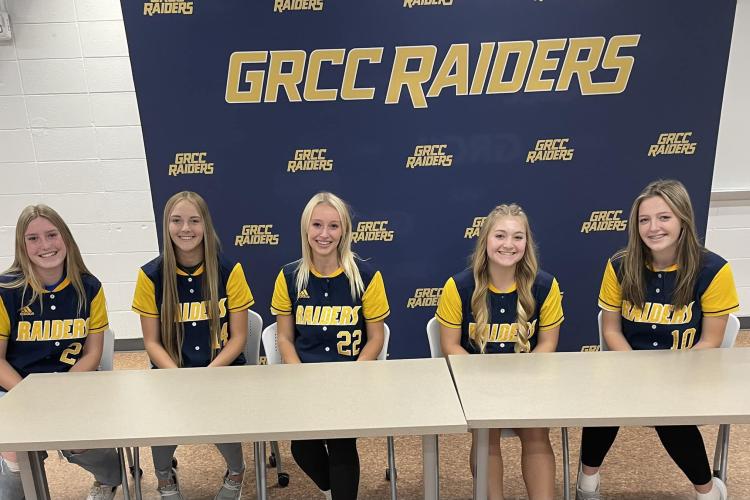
729,235
729,221
70,136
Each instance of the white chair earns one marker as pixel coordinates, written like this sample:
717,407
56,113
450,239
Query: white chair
273,356
254,333
390,473
271,345
106,364
108,351
436,351
252,355
721,454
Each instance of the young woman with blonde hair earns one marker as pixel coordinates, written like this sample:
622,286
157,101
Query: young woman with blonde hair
329,306
665,269
48,284
505,304
193,306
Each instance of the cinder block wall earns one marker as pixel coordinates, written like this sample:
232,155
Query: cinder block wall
70,136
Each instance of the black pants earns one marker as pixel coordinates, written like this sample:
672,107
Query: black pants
333,464
684,444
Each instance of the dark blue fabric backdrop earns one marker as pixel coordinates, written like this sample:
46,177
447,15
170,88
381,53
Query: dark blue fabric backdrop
181,64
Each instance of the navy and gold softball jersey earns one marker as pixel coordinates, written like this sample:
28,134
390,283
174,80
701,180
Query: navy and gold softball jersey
48,335
234,296
328,324
659,325
454,311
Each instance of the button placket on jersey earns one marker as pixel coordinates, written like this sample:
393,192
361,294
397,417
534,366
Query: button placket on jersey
658,285
51,351
49,347
504,320
326,301
661,280
193,324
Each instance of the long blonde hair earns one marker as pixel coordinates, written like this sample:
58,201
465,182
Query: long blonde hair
343,251
23,269
525,274
636,254
172,331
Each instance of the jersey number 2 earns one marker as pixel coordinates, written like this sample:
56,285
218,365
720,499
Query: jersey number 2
348,345
73,350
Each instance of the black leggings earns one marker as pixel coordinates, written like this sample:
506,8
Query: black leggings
684,444
335,468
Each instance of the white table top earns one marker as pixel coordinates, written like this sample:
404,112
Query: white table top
215,405
604,388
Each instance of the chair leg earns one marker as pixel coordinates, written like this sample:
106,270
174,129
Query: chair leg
137,472
123,474
721,455
260,469
566,463
717,451
392,467
277,455
282,476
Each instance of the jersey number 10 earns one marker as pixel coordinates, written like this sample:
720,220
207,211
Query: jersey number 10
688,337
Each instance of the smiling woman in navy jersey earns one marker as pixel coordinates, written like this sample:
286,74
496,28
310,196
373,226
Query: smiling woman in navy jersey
52,318
505,304
664,290
329,306
193,306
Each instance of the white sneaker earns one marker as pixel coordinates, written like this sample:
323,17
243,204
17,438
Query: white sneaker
719,485
230,489
586,495
101,491
172,490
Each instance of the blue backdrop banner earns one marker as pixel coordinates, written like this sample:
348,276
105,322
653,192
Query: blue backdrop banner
424,115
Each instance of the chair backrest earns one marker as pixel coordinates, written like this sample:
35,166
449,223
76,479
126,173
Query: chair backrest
108,352
254,331
386,337
730,332
271,344
433,337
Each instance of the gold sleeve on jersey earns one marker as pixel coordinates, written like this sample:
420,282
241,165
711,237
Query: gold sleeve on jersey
720,298
4,322
98,321
144,301
610,293
551,313
239,296
374,301
281,303
449,311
